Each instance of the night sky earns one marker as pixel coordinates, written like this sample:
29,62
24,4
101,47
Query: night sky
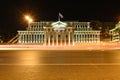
12,12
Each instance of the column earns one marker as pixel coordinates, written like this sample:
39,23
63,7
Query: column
19,40
77,27
53,38
49,38
73,38
27,37
28,40
93,37
23,38
57,38
31,37
39,40
83,37
35,37
78,37
45,37
61,35
69,38
65,38
98,37
42,38
88,37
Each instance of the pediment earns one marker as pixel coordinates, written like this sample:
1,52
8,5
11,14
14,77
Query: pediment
59,24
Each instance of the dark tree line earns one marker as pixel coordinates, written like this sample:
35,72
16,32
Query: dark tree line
104,27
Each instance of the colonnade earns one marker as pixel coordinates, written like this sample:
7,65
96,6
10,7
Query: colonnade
87,36
59,37
31,37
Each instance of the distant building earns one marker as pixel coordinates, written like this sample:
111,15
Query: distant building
115,33
59,33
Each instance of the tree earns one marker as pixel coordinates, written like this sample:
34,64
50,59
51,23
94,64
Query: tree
1,41
96,25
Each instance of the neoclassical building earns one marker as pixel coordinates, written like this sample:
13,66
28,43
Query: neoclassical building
59,33
115,33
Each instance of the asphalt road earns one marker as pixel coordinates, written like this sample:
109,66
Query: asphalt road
59,65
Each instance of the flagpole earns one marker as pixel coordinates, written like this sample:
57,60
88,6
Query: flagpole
58,17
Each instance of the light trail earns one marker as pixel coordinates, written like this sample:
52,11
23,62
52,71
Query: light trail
77,46
91,64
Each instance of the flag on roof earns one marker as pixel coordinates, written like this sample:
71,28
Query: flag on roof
60,15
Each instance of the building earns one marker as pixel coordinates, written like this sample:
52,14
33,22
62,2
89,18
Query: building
59,33
115,33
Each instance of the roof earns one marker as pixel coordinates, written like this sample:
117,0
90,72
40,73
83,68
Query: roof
59,24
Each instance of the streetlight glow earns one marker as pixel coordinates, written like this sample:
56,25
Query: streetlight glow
29,19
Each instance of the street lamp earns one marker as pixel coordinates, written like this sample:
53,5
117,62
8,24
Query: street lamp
29,19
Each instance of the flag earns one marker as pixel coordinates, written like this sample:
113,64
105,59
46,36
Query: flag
60,15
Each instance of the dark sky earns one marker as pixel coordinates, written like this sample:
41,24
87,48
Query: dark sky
13,11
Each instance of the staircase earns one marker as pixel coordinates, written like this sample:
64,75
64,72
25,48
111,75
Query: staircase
13,40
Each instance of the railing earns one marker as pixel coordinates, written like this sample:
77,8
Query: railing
13,40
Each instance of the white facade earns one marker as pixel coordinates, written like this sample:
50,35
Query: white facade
115,33
59,33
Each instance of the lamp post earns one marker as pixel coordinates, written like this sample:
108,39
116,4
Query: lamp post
29,19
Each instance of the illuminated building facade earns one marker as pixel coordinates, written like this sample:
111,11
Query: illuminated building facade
59,33
115,33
